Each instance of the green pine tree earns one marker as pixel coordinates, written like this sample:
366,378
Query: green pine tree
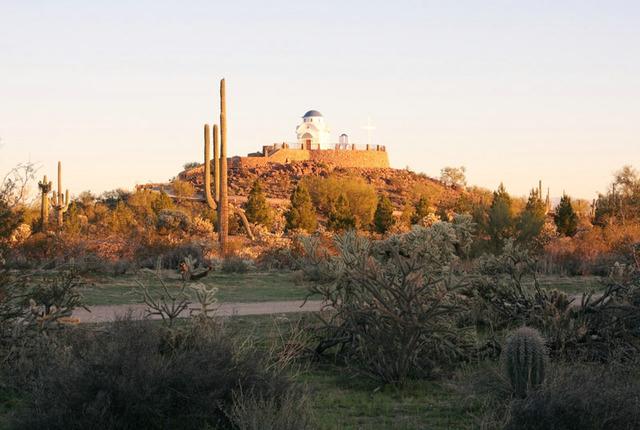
340,215
383,217
531,220
257,209
301,214
565,218
421,210
500,219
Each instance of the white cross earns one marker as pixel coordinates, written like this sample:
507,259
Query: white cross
369,127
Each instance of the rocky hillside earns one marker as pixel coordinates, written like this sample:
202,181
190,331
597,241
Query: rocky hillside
279,180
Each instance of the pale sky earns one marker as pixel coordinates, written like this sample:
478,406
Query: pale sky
516,91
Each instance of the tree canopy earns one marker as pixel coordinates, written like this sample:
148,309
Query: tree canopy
301,214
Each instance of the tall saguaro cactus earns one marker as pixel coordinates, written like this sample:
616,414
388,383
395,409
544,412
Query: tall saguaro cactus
60,202
223,208
220,199
45,189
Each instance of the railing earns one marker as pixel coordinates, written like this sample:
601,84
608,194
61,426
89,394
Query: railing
270,149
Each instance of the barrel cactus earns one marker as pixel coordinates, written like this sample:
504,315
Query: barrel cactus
525,358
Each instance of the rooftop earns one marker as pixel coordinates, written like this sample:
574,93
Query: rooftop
312,113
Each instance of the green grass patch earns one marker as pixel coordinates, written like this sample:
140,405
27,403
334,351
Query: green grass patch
232,287
258,286
571,284
342,402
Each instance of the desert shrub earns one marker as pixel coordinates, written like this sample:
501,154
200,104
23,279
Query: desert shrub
112,197
32,309
190,165
316,263
235,264
54,295
12,303
592,251
360,196
9,220
598,328
397,303
510,293
254,412
161,202
163,255
202,227
182,189
38,247
173,257
142,203
121,220
581,398
173,221
277,258
138,375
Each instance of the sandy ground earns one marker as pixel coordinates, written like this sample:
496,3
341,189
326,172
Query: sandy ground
109,313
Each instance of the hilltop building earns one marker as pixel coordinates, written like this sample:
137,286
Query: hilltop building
313,132
314,144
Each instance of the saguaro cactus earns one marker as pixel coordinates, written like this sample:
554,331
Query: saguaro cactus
525,358
60,202
45,189
223,207
219,200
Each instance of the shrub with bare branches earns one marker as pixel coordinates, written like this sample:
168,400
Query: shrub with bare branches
597,327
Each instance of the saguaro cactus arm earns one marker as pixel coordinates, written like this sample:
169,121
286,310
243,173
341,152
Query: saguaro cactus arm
245,222
60,201
207,169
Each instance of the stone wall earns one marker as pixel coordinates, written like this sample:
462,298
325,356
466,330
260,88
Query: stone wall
348,158
336,157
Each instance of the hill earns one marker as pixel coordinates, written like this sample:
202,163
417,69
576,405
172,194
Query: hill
279,181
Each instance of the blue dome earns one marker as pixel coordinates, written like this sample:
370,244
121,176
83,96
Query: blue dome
312,113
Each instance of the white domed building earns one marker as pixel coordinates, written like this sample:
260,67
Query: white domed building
313,132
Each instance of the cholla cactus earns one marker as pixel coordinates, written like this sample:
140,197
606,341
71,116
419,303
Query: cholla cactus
60,202
206,300
525,357
45,189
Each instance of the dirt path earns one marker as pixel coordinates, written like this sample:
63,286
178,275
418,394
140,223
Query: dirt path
109,313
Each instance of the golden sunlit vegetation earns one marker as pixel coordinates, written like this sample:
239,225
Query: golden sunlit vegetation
442,303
